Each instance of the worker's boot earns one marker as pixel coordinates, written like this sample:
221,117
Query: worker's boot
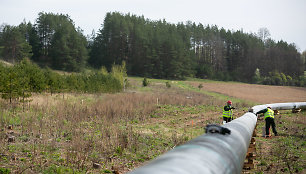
267,136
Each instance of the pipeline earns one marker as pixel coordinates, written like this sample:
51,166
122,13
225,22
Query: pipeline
213,152
280,106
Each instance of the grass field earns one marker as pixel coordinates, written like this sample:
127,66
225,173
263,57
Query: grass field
285,153
102,133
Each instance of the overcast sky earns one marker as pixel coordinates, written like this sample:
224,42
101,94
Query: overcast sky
285,19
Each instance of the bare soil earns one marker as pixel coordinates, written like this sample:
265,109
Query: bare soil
257,93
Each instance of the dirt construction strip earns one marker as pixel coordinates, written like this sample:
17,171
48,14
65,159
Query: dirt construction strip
257,93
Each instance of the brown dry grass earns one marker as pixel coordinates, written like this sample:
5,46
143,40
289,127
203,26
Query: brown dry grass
258,93
114,130
76,130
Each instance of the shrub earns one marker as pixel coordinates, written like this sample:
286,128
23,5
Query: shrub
200,86
266,81
205,71
145,82
104,70
227,77
301,81
219,76
4,171
284,79
290,80
276,78
168,85
256,77
119,72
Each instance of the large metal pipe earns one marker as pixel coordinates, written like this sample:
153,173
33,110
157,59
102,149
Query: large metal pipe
213,152
280,106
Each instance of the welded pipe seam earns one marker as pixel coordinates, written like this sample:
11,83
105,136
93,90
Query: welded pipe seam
213,153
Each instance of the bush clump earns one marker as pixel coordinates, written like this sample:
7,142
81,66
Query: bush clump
145,82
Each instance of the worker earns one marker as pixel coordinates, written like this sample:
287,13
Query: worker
269,118
228,112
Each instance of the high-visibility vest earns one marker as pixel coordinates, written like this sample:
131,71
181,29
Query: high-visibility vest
269,113
227,114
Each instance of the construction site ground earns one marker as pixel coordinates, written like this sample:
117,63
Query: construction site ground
285,153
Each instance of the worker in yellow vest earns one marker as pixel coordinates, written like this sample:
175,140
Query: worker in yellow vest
269,118
228,112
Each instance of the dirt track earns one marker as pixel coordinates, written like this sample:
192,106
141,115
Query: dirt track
257,93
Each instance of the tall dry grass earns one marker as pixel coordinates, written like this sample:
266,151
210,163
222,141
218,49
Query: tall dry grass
77,130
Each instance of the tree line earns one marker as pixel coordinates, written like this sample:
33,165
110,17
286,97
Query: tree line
53,41
155,49
19,81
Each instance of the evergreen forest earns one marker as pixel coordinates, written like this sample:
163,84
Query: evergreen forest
154,49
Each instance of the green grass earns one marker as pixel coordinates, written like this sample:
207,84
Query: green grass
286,152
10,118
184,85
212,81
177,121
218,96
61,170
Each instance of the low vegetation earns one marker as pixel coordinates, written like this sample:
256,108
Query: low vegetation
286,152
20,80
92,133
104,133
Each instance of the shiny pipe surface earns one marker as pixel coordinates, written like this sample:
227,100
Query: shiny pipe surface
213,152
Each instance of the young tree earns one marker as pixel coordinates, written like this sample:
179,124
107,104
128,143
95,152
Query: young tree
3,79
119,72
53,80
10,84
263,34
32,76
257,77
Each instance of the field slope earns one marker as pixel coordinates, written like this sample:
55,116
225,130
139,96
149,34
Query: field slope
263,94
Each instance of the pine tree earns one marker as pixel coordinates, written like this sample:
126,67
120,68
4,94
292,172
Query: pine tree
15,47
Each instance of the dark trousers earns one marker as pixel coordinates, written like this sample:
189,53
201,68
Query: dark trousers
270,122
227,119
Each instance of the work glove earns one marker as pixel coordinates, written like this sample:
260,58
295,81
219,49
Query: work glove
233,108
